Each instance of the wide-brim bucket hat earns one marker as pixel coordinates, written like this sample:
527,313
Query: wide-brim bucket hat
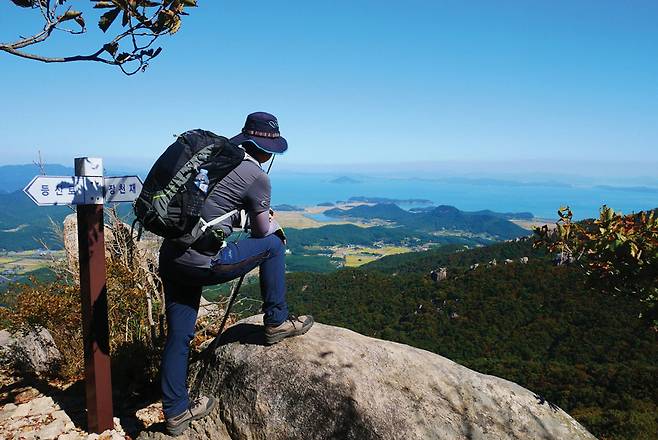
263,130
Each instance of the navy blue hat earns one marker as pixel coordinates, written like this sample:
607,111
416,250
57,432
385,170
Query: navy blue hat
263,130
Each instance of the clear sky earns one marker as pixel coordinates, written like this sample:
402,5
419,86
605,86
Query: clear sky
564,85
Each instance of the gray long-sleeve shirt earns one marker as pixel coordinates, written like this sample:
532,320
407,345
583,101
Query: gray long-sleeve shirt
245,187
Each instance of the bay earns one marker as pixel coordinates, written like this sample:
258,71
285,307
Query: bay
542,198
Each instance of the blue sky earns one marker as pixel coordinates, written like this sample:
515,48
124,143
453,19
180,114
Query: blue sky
550,86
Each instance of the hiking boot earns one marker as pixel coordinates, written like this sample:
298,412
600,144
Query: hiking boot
293,326
199,408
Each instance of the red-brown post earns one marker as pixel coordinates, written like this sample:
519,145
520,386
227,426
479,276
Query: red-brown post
93,291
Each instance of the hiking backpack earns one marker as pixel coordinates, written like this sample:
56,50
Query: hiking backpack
171,199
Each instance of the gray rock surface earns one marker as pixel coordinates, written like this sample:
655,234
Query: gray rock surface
32,350
6,341
333,383
147,247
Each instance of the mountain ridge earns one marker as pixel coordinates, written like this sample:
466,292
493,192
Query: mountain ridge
440,218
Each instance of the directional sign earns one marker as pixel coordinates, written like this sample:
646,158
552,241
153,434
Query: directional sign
64,190
122,189
75,190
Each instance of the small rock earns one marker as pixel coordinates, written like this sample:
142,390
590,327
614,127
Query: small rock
22,411
42,405
117,424
52,430
29,435
109,435
25,395
19,423
74,435
151,414
61,415
7,411
92,437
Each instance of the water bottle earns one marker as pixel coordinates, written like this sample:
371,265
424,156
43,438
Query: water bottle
201,180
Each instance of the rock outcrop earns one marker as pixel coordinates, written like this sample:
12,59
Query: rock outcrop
146,251
333,383
33,350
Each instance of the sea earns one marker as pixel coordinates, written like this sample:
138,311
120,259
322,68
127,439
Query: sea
542,199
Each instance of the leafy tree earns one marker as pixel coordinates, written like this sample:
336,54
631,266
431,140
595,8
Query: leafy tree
619,252
131,49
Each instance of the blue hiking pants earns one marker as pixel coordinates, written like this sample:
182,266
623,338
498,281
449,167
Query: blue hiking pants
182,288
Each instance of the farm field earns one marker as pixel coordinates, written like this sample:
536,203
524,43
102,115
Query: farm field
301,219
358,256
19,263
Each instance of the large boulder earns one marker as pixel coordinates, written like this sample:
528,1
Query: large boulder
116,237
31,350
334,383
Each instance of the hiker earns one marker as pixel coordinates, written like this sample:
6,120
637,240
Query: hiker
211,260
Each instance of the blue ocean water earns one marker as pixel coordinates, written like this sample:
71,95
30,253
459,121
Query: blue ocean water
542,199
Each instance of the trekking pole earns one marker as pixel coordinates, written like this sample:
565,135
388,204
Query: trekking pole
234,295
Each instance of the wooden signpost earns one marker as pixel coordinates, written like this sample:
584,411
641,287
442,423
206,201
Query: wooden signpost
88,190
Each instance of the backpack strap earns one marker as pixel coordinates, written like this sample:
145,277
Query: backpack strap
205,225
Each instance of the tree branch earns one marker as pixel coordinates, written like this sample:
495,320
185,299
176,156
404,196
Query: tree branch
142,27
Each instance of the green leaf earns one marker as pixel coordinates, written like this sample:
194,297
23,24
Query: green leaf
70,15
108,18
191,3
175,25
24,3
104,5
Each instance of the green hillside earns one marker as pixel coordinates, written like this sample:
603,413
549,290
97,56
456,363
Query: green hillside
535,324
332,235
312,248
440,218
23,224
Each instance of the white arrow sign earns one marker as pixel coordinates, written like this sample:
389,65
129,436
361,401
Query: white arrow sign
74,190
122,189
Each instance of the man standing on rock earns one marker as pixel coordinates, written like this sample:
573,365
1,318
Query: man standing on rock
185,272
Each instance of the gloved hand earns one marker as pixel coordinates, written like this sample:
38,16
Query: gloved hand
210,242
282,235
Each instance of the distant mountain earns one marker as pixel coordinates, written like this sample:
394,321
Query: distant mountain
383,211
22,223
639,189
15,177
286,207
507,215
441,218
345,180
387,200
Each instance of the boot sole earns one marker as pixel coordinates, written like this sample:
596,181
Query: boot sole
182,426
278,337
